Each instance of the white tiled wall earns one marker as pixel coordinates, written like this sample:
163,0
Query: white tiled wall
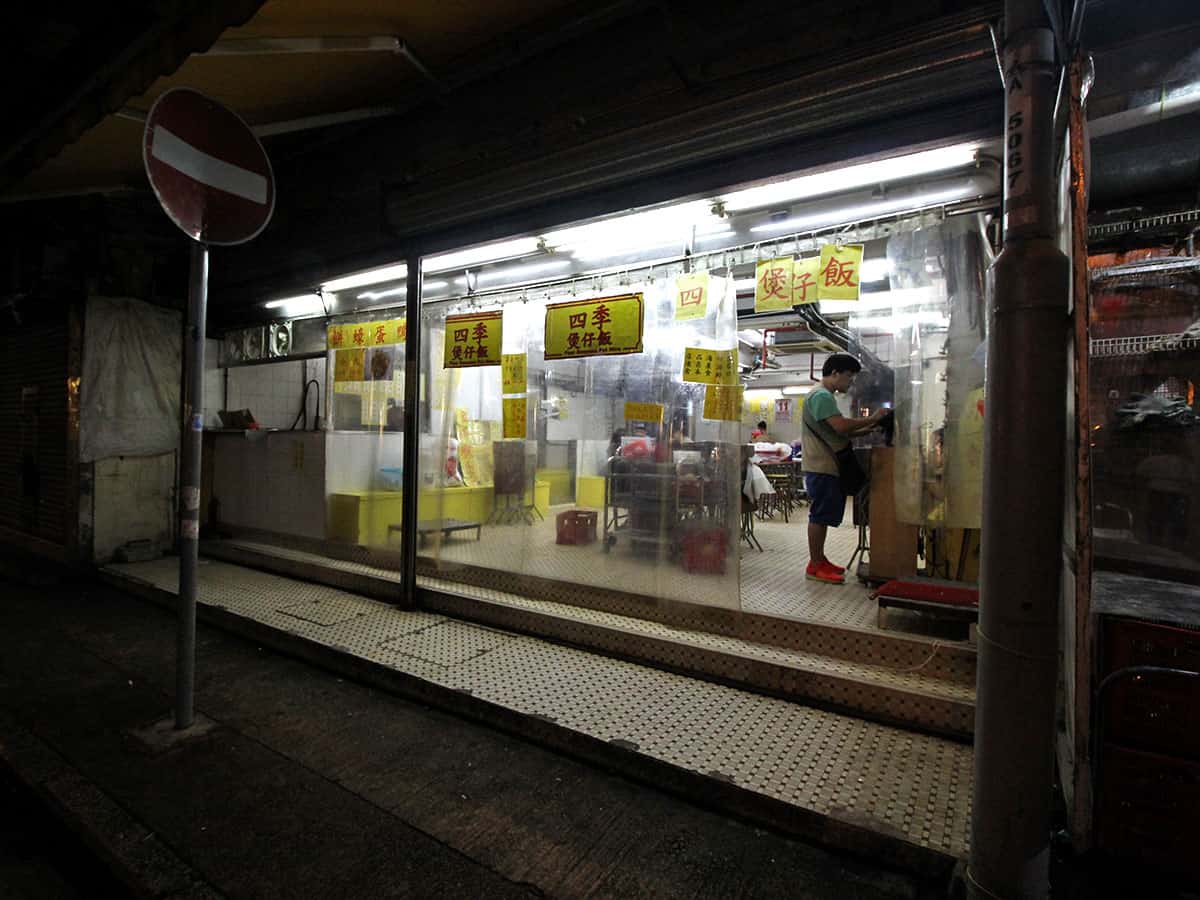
272,391
214,384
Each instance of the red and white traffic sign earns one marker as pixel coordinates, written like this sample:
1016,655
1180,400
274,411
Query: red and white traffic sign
208,170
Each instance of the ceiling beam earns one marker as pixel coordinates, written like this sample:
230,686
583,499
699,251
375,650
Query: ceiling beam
155,48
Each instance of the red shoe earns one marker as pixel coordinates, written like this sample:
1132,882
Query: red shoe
841,570
825,572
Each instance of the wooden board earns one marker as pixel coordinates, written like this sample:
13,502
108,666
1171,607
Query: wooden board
893,543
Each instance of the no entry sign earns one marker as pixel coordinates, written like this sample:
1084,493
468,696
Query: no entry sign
208,170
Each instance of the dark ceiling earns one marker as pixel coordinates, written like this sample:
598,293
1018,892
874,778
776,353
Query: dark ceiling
503,115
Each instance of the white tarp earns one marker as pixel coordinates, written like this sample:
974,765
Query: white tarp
129,395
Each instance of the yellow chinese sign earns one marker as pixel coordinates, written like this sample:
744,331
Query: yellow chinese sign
643,412
710,366
610,326
515,412
723,402
691,296
804,280
773,284
348,365
838,276
473,340
514,373
367,334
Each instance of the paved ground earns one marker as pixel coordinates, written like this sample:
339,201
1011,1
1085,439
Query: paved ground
40,857
312,786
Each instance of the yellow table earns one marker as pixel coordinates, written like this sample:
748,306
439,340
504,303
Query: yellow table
363,517
589,491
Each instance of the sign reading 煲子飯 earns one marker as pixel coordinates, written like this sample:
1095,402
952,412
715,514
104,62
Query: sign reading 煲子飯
515,412
513,373
691,296
773,284
608,326
838,275
473,339
702,366
366,334
804,280
723,402
643,412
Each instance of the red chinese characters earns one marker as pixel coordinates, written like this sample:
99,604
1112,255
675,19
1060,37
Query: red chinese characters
839,273
775,282
802,284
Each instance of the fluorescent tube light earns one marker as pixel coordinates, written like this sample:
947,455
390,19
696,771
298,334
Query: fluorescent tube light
863,175
371,276
850,214
518,272
794,390
402,289
303,305
665,226
460,259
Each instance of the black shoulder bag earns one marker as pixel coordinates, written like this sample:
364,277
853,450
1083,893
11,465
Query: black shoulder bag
851,476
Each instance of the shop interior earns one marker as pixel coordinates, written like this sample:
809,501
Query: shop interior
616,405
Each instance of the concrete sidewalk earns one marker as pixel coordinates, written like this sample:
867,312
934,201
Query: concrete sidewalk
315,786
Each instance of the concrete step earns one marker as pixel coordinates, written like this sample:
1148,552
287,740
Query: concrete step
899,688
898,796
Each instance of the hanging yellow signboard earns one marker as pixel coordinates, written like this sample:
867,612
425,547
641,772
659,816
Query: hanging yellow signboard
691,296
473,340
367,334
609,326
643,412
773,284
702,366
348,365
838,277
804,280
514,373
515,412
723,402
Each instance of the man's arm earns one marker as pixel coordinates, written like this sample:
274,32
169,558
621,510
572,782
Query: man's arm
848,427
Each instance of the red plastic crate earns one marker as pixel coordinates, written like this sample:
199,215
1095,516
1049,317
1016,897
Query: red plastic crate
705,551
576,526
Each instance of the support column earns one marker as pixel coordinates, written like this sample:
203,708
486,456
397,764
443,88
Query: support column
189,484
1023,488
412,432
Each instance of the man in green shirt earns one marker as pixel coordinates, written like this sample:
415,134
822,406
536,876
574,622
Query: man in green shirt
824,432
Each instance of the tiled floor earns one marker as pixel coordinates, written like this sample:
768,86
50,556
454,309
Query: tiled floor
771,582
905,784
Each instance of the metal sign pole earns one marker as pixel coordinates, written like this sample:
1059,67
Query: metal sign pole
189,484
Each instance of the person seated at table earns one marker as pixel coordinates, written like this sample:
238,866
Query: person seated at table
614,443
759,435
754,483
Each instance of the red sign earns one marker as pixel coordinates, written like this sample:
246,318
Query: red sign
208,170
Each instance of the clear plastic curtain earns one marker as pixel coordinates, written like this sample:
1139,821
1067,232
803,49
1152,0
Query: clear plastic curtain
940,284
575,421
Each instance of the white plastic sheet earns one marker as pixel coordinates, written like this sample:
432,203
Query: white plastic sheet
129,395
